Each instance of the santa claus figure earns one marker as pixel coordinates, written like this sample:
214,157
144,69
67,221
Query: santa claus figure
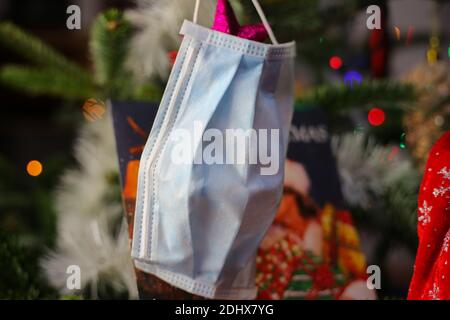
310,252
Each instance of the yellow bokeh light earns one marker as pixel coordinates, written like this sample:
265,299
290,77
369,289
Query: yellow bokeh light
432,56
34,168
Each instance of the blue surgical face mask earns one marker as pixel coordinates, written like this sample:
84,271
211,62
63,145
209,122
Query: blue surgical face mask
198,221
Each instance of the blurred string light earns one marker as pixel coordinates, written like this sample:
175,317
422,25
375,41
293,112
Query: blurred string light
409,35
352,76
432,53
397,33
433,49
376,117
34,168
172,56
403,141
439,120
335,62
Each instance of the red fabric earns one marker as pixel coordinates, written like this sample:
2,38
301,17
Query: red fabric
431,279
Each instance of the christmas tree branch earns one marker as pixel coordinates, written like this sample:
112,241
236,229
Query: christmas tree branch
306,19
39,81
109,45
337,98
38,52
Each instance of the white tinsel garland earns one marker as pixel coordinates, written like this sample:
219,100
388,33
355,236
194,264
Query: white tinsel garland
158,23
86,203
88,209
368,170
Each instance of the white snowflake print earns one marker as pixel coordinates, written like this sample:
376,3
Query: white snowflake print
445,172
425,213
434,293
440,191
446,242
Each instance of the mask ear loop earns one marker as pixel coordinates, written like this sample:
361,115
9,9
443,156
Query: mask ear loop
266,24
196,10
260,13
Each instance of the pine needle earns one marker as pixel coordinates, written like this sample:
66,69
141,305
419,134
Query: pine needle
40,81
36,51
337,98
109,45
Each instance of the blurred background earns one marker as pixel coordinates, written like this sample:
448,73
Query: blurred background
385,93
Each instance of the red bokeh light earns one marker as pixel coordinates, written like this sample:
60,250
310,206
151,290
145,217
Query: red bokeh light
172,55
335,62
376,117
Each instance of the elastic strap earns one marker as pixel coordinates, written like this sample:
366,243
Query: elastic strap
196,10
260,13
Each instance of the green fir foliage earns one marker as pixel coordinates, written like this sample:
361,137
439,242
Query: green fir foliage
340,98
37,52
109,44
20,276
54,75
39,81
